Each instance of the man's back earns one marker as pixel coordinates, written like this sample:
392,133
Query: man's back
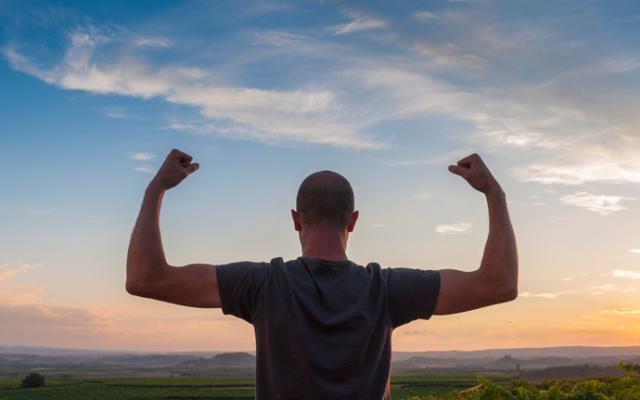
323,328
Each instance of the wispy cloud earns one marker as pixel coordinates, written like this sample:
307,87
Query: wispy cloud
158,42
603,168
7,271
636,251
454,229
574,277
626,274
596,290
424,196
298,115
359,23
142,156
450,157
544,295
50,326
425,16
592,290
601,204
564,126
623,311
114,112
146,168
622,64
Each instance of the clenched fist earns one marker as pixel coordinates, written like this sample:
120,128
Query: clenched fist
174,169
474,171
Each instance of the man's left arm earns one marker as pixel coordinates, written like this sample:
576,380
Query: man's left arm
148,273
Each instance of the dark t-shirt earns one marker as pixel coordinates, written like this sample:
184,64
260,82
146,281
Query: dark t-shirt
323,328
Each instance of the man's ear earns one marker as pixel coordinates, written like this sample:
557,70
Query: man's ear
352,221
297,221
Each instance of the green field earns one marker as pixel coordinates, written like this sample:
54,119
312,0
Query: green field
222,387
451,387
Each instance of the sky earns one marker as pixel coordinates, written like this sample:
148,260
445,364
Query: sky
93,95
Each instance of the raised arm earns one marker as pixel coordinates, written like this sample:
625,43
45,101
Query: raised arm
496,280
148,273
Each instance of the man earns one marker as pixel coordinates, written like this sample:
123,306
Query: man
323,324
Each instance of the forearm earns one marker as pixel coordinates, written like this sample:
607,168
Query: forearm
145,258
500,259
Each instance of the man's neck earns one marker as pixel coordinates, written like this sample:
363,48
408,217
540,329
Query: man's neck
324,245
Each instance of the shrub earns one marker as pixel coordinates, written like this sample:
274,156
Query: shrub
32,380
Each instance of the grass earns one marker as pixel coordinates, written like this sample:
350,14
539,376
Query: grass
218,387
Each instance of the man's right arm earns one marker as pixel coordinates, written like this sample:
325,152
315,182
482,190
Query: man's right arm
496,280
148,273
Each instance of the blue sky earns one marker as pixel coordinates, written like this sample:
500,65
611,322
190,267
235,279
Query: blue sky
264,93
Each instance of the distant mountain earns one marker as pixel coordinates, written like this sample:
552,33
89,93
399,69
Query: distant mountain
223,360
480,360
42,356
506,362
62,351
533,352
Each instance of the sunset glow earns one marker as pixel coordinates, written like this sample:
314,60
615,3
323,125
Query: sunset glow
264,93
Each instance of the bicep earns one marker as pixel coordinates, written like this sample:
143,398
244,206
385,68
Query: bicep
193,285
462,291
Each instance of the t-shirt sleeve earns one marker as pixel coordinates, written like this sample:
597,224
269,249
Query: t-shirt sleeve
413,294
241,285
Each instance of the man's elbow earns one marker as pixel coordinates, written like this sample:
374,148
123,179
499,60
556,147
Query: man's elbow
143,281
507,292
502,291
140,288
510,295
134,288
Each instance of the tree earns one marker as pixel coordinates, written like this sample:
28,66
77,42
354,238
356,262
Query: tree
33,380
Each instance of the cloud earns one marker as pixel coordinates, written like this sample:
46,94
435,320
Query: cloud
498,102
377,225
596,169
621,64
448,55
36,316
454,229
626,274
157,42
593,290
425,16
544,295
142,156
574,277
623,311
424,196
576,135
450,157
636,251
299,115
597,290
572,143
7,271
603,205
146,168
359,24
50,326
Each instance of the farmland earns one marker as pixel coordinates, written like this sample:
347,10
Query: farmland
451,387
221,387
509,374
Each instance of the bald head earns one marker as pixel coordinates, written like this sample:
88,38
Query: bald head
325,198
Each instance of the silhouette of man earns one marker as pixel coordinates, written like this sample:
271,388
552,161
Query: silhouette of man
323,323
